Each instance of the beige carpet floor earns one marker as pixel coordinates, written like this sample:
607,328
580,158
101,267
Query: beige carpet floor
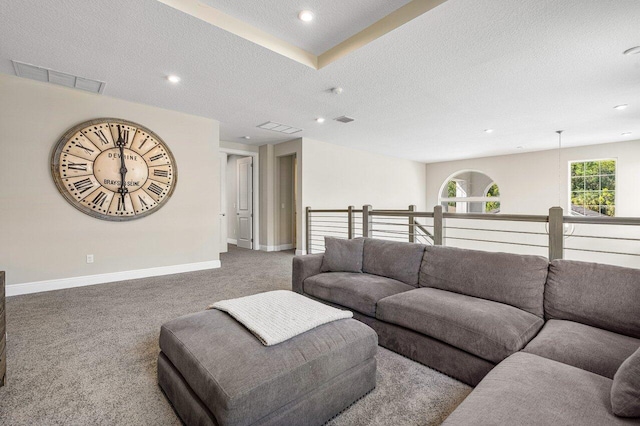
87,356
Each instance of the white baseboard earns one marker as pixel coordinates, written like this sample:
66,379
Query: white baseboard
301,252
58,284
277,248
232,241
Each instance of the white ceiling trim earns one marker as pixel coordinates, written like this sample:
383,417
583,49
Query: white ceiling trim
262,38
242,29
376,30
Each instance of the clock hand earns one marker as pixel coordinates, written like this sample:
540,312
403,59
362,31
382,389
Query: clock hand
123,169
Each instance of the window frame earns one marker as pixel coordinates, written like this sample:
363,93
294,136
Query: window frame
615,191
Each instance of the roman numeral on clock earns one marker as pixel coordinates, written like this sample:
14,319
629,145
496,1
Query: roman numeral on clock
83,185
142,202
77,166
155,157
102,137
121,205
86,150
144,141
161,173
155,189
100,199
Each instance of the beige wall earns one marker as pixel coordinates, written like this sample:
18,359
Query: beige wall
285,200
238,146
529,182
335,177
45,238
529,185
267,197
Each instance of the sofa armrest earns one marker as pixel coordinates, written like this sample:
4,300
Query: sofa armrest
303,268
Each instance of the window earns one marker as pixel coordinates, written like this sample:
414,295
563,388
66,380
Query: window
593,187
470,192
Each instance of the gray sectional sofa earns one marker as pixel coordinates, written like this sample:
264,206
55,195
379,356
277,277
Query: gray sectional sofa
558,332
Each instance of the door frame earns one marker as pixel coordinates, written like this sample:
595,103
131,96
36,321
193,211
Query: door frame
256,190
294,200
224,246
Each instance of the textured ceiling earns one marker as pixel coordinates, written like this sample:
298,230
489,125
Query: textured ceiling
334,22
424,91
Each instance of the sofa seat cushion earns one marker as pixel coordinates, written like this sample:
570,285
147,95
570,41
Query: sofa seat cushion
241,381
526,389
592,349
487,329
360,292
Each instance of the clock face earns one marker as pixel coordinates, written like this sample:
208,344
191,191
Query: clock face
114,169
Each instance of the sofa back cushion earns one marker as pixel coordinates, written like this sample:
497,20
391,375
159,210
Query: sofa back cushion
392,259
602,296
513,279
342,255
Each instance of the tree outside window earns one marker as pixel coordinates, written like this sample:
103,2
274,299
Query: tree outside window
593,188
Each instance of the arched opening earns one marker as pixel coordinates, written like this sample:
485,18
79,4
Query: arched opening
470,191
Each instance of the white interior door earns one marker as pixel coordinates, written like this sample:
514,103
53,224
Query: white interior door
223,203
245,202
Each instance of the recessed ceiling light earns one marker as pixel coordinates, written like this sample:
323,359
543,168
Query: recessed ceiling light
246,137
632,51
519,147
320,120
620,107
173,79
626,134
488,130
305,16
337,90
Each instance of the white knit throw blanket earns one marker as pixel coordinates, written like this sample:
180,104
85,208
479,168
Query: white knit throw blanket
276,316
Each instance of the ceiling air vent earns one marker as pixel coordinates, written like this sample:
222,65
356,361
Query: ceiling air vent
56,77
344,119
277,127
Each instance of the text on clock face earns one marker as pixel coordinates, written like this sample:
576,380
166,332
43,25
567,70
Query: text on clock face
119,182
126,156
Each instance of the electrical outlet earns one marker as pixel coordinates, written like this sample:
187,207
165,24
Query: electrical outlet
89,258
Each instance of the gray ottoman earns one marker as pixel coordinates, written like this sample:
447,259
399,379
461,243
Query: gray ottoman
215,372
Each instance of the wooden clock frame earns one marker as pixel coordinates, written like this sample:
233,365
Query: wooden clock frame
156,197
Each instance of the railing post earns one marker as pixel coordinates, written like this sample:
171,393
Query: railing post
367,221
350,222
438,226
556,233
308,233
412,225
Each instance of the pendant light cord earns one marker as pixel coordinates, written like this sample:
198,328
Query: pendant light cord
559,132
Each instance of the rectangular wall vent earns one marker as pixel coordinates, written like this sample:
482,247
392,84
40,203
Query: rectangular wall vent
277,127
344,119
56,77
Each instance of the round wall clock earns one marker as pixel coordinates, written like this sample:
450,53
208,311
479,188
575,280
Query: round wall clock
114,169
